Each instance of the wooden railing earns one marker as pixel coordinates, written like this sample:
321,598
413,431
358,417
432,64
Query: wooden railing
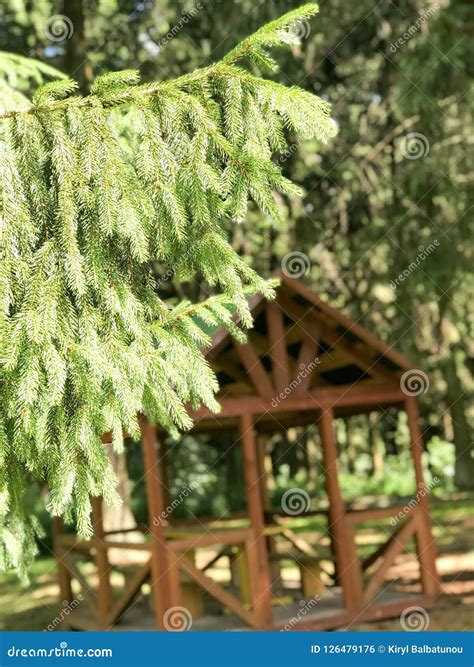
407,526
104,609
106,605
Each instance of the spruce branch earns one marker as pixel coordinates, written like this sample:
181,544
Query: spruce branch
275,33
113,89
94,191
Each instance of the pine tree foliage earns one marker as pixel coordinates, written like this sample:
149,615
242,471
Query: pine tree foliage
86,343
16,74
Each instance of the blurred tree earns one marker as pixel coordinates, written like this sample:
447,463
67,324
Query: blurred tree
394,71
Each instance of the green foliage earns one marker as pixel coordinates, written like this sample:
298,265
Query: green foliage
16,75
86,342
439,465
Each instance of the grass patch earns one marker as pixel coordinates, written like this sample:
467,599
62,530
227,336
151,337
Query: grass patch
30,606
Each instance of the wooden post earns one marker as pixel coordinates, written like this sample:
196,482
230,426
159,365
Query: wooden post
241,570
425,544
310,575
274,564
164,467
104,590
348,566
262,595
64,578
261,441
164,583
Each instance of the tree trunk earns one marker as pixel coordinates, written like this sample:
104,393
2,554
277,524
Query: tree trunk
462,437
121,518
116,518
376,445
312,451
351,446
291,458
76,61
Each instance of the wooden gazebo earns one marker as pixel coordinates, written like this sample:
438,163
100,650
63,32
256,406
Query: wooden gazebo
304,362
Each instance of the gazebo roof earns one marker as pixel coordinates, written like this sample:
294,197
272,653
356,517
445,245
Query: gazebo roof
300,338
301,356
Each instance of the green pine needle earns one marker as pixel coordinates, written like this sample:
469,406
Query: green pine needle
94,191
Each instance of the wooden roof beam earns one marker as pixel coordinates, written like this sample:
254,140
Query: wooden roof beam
364,361
228,364
278,346
255,369
364,334
307,359
321,398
